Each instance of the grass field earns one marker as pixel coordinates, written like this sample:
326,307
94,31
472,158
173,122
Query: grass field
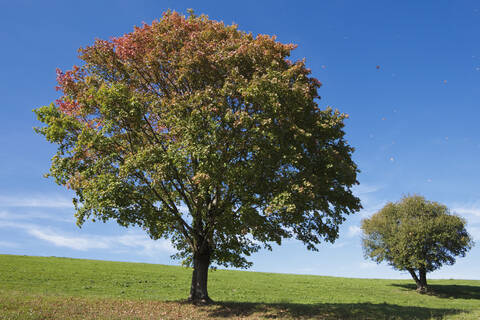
63,288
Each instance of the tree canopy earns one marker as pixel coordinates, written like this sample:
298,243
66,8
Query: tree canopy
415,235
203,134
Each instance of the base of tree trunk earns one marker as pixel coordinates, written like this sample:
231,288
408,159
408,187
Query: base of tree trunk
422,289
420,280
200,301
198,289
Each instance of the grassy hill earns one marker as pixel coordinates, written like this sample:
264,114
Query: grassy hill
62,288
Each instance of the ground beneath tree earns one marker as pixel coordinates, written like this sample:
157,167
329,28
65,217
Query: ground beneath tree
21,306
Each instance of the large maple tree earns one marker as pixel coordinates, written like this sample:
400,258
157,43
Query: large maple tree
187,112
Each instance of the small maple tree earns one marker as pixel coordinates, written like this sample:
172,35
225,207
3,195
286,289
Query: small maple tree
189,112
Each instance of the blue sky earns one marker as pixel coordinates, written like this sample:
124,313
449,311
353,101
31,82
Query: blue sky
413,121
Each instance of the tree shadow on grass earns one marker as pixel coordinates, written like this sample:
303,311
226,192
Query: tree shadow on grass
447,290
326,311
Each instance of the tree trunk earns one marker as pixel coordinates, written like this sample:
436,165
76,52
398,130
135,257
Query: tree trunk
423,281
198,289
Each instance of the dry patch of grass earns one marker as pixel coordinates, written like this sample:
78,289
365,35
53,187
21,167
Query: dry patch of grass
48,307
17,305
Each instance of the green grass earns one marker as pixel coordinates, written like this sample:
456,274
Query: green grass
63,288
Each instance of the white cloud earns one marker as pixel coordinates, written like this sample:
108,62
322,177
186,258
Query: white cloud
354,231
38,201
34,208
371,207
148,246
363,189
368,265
35,214
7,244
18,225
337,245
370,201
73,242
469,211
130,240
475,233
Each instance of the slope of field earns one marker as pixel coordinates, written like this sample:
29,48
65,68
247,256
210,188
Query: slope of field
63,288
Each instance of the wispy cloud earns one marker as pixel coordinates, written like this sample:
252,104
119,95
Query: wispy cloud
147,246
363,189
337,245
8,244
34,214
475,233
470,211
24,213
367,265
354,231
16,225
38,201
371,206
84,242
371,201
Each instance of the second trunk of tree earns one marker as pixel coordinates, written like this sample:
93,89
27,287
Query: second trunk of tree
423,281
